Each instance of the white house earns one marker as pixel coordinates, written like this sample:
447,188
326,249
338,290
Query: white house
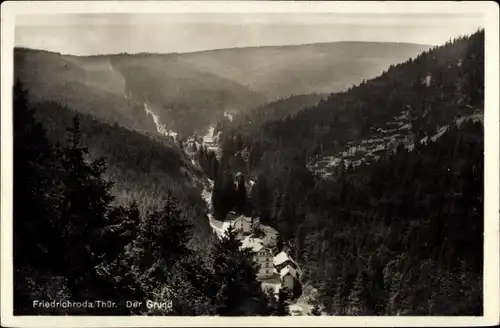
263,256
245,225
208,141
288,270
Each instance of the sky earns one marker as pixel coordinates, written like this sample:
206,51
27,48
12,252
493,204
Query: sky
89,34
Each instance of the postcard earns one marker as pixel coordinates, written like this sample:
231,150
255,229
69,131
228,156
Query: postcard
244,163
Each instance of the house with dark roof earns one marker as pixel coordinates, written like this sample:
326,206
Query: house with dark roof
289,272
282,260
289,278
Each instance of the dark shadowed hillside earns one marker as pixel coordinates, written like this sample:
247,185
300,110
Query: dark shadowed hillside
97,90
144,168
74,243
403,157
410,101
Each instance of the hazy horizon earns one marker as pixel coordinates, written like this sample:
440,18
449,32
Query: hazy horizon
217,49
95,34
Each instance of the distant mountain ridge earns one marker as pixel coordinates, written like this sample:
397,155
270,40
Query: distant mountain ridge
282,71
189,91
148,53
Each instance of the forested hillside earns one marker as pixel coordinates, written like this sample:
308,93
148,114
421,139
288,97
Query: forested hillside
73,243
145,168
253,120
116,87
375,189
281,71
404,234
408,102
188,92
99,90
185,99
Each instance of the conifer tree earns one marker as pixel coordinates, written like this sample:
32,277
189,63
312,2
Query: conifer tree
223,195
238,291
34,177
162,239
215,168
356,300
35,236
85,203
241,195
261,199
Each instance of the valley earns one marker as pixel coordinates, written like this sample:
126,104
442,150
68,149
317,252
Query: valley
189,92
244,182
220,227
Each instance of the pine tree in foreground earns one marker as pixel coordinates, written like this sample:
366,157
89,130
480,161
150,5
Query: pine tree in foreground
86,200
35,235
238,292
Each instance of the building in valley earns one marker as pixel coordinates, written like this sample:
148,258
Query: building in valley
208,140
282,260
289,272
245,225
263,256
289,278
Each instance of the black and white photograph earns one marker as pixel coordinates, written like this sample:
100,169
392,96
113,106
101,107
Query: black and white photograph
223,160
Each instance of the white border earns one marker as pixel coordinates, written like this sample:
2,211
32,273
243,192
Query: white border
490,12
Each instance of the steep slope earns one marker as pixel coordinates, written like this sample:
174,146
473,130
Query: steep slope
254,119
184,98
73,244
396,243
116,88
386,238
145,168
409,102
97,90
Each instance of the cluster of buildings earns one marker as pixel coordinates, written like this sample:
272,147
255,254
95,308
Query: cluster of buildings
211,141
275,269
262,240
